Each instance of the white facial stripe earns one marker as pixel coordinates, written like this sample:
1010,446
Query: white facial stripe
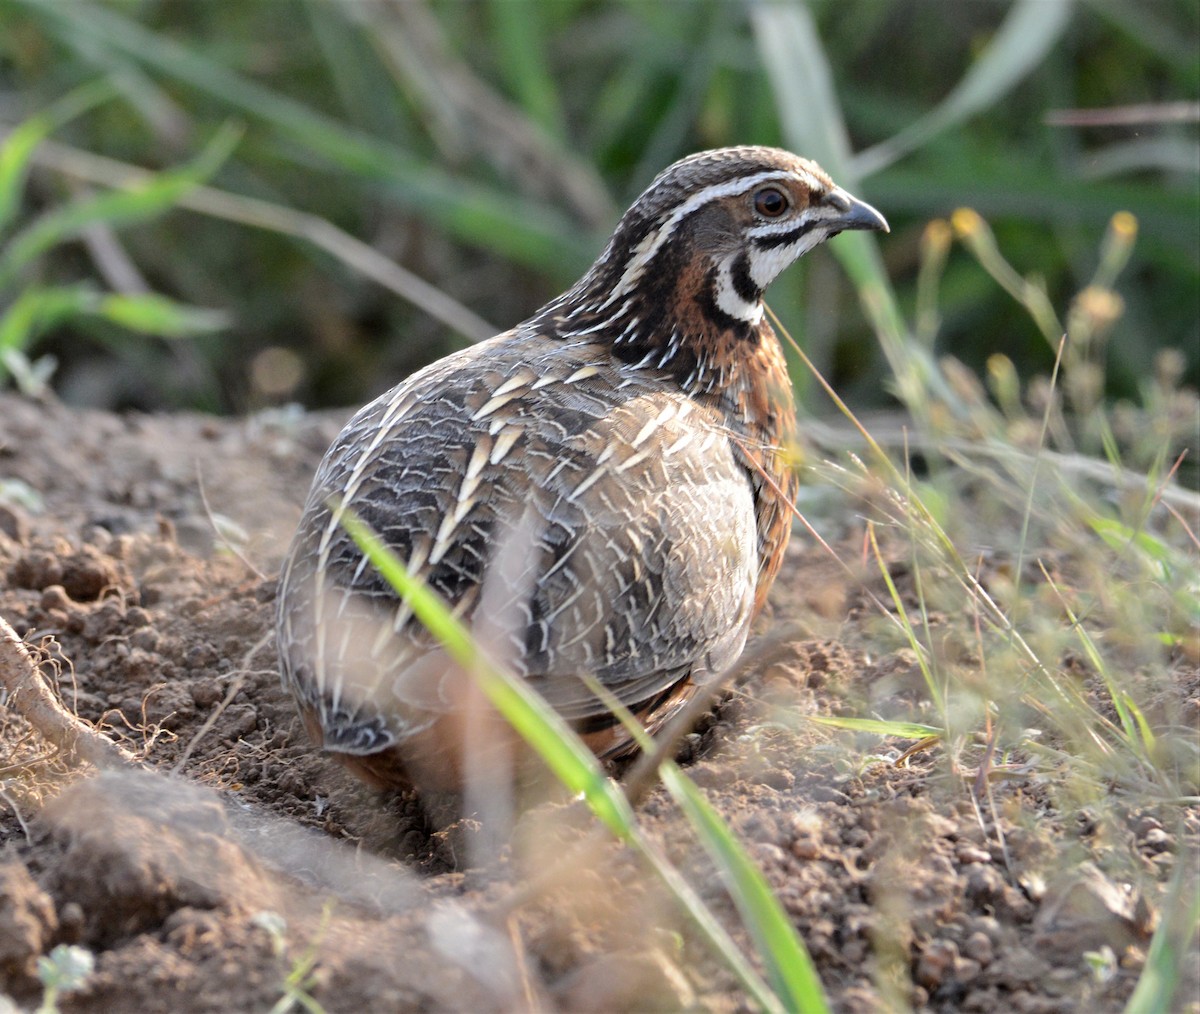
765,265
728,299
649,247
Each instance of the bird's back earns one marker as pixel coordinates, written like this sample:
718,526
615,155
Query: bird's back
581,516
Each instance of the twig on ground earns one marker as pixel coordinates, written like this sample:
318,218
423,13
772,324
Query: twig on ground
29,696
212,520
644,775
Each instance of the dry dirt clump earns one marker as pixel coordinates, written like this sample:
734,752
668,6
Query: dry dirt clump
232,865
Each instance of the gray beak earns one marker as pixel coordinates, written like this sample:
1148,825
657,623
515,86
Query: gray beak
851,213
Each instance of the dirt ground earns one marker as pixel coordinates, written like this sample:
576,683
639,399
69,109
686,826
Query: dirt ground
236,866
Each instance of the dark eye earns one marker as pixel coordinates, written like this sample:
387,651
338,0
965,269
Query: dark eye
770,203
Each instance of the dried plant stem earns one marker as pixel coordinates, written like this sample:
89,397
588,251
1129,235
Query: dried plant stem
235,688
30,697
644,774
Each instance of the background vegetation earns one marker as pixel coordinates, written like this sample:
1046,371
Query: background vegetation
489,147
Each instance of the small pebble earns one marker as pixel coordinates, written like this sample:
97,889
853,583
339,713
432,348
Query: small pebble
1145,825
978,947
967,970
970,854
13,523
806,848
1155,840
936,963
55,597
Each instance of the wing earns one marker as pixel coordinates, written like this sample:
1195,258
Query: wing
581,530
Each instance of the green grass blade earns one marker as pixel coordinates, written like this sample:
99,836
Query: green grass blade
796,63
901,730
542,727
792,974
154,314
368,97
520,47
545,730
789,967
37,309
115,208
906,624
41,308
722,943
1029,31
18,148
1172,943
1021,188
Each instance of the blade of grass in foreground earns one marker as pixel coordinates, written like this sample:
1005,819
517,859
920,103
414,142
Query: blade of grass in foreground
901,730
572,763
1171,944
558,745
789,966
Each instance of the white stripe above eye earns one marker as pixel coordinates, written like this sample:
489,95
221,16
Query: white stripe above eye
645,251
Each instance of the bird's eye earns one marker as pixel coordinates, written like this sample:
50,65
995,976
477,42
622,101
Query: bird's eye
770,202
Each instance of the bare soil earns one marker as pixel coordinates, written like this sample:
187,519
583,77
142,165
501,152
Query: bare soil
236,864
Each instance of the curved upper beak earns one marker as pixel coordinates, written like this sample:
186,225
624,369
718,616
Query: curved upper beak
851,213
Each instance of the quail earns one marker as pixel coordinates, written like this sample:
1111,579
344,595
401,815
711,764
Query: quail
603,489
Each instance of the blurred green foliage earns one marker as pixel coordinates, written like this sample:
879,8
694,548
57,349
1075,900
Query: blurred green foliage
489,147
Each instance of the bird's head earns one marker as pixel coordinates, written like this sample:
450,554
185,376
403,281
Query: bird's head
688,263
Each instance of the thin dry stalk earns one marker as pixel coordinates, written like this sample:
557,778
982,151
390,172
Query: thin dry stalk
644,775
235,687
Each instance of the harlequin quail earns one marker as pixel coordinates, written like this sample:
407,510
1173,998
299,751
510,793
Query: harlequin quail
603,489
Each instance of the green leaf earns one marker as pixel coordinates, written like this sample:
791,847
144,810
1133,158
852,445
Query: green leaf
789,968
42,308
903,730
1119,536
115,208
1172,946
37,309
17,150
67,967
151,313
